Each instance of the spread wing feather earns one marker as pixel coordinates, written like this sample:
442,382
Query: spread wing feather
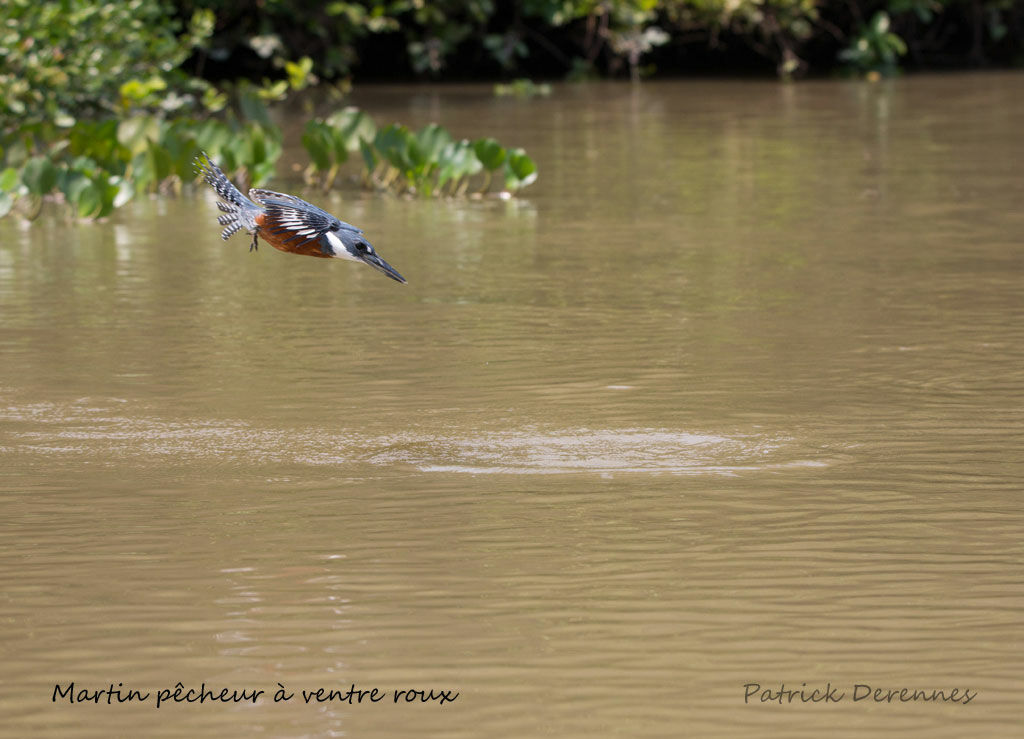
298,210
296,222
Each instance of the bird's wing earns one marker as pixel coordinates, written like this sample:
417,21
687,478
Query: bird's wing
296,214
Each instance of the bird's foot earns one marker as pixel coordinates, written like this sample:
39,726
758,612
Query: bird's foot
254,246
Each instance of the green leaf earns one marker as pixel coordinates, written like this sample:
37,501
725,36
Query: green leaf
90,200
392,143
39,175
369,156
261,173
432,140
8,179
142,171
214,100
520,170
163,167
338,144
414,155
457,160
490,153
108,190
299,73
72,183
125,191
212,136
273,91
353,125
253,108
317,140
254,148
135,134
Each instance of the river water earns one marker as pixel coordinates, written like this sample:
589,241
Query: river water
733,395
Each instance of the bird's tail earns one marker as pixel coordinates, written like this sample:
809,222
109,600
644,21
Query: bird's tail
238,211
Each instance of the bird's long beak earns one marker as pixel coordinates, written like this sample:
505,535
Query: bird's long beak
380,265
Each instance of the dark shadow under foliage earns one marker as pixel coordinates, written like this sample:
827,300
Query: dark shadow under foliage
486,39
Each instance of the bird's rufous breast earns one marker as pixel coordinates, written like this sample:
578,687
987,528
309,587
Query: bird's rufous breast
286,240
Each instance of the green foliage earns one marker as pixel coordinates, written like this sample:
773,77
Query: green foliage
96,166
39,175
876,48
86,94
427,162
522,88
580,38
64,59
520,171
96,103
300,73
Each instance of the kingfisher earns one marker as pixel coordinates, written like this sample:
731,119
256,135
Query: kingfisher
288,223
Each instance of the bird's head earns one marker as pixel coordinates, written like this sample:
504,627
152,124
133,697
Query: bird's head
352,245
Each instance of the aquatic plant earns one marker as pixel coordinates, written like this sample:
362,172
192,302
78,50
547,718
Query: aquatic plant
522,88
96,166
425,162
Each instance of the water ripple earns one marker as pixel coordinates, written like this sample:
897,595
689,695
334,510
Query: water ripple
108,432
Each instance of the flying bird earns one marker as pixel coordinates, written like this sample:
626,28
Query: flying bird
288,223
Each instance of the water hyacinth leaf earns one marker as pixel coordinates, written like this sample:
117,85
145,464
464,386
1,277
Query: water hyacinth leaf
73,183
415,156
181,147
261,173
142,171
352,125
136,133
9,179
369,155
227,157
212,137
254,149
392,143
163,167
90,201
432,139
361,127
446,162
315,140
339,145
520,170
39,175
253,108
490,153
469,163
125,191
86,165
97,140
108,190
458,160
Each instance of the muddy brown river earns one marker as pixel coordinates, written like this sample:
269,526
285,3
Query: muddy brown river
733,396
